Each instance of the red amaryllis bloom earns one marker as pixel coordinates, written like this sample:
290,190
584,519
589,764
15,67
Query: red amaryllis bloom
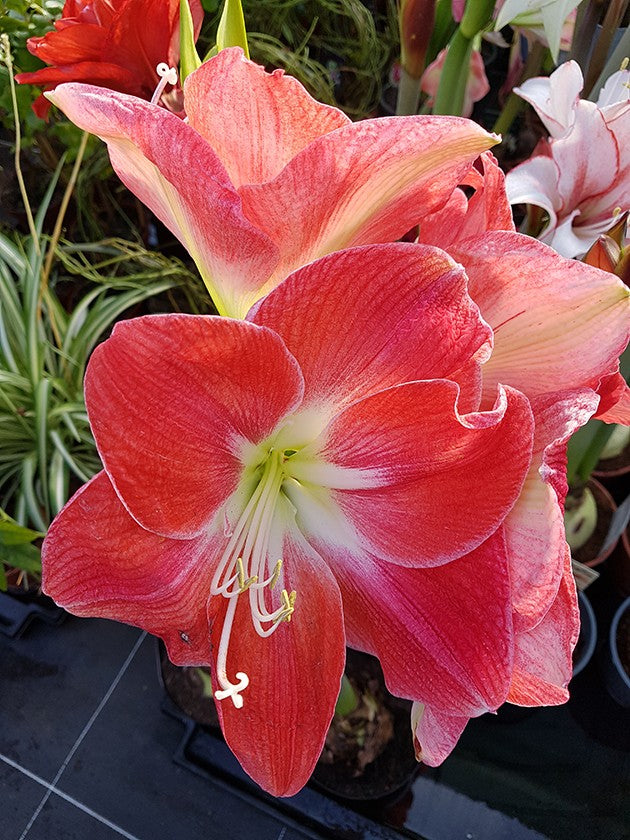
316,474
558,330
262,179
115,44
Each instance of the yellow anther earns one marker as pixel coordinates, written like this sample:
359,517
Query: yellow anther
616,211
243,585
288,605
275,575
625,63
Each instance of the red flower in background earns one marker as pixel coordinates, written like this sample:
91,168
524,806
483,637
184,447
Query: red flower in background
109,43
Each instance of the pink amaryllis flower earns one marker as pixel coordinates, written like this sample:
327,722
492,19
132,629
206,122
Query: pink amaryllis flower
581,178
116,44
261,178
558,329
319,474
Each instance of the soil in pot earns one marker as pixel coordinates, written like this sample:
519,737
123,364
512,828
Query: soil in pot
590,553
368,754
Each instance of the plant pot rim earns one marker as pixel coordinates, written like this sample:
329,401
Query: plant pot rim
612,641
591,643
599,488
601,471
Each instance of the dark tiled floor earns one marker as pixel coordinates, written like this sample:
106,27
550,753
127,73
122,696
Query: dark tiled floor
86,753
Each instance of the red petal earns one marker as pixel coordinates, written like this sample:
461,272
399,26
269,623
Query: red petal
97,561
487,209
172,400
541,307
425,484
534,528
95,72
169,166
368,318
368,182
266,119
443,635
435,734
72,44
614,406
543,656
295,675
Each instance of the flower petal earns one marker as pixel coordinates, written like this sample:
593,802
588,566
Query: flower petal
172,400
556,97
543,656
367,182
561,304
368,318
487,209
435,734
420,483
97,561
443,635
256,134
614,406
534,528
176,174
294,675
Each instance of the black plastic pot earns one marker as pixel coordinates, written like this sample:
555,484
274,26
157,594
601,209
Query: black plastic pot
18,610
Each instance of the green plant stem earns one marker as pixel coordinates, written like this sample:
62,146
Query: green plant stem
6,57
584,33
408,94
347,701
514,104
452,90
614,15
622,50
52,245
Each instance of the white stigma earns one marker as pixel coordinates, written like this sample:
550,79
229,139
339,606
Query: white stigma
244,568
168,76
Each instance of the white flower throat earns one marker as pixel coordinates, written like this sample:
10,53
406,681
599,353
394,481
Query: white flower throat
244,569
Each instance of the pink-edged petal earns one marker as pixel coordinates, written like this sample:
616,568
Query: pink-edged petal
555,98
368,318
534,528
614,406
443,635
435,733
97,561
420,483
255,121
173,399
561,305
543,656
536,182
487,209
368,182
294,675
174,171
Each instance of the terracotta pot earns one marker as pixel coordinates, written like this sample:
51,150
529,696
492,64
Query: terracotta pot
591,554
617,663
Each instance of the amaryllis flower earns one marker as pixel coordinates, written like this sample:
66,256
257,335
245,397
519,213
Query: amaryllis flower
559,327
477,85
551,19
317,474
261,178
581,178
115,44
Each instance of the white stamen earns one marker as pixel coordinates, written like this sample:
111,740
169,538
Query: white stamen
168,76
244,567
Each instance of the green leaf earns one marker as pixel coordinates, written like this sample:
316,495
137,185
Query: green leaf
231,31
25,557
13,534
189,59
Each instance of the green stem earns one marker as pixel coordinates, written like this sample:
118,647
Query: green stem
621,51
408,94
452,90
5,48
347,701
514,104
614,15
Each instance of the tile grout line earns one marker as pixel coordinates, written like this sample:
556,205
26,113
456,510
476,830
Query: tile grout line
67,797
51,788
